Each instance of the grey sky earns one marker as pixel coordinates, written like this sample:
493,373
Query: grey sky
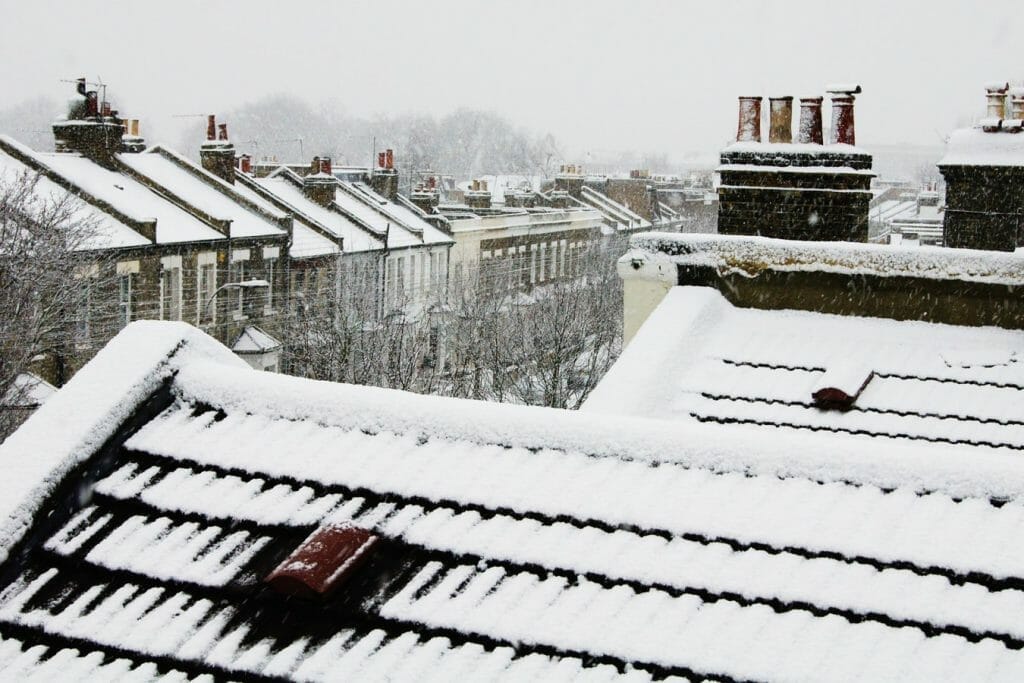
627,74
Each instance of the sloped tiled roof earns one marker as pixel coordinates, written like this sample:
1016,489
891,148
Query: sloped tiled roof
204,191
516,543
109,232
697,357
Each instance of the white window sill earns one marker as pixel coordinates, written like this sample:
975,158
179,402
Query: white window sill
239,317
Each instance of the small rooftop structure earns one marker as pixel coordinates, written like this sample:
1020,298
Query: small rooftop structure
871,344
984,170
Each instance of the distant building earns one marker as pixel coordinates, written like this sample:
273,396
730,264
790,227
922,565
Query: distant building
802,191
984,173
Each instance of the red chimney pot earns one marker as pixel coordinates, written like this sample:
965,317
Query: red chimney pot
223,129
211,127
389,156
809,132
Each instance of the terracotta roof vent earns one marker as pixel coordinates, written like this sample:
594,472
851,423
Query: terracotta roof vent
841,386
324,561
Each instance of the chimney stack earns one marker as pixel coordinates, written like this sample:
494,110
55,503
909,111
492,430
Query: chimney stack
385,179
781,112
93,136
843,132
749,128
478,197
810,131
995,93
319,185
218,155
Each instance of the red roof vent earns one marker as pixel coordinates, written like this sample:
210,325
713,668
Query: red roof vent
324,561
840,386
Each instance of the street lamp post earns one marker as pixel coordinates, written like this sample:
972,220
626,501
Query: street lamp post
248,284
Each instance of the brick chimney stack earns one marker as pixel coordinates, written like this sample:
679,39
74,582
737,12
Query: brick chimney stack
810,130
749,126
218,155
426,196
478,196
570,179
781,111
89,132
385,178
319,185
842,132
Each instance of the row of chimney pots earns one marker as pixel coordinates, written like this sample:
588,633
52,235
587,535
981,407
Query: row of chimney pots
997,95
780,129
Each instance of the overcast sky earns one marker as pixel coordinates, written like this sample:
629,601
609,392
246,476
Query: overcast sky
646,75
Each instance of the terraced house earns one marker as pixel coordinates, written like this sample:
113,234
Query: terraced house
179,244
213,245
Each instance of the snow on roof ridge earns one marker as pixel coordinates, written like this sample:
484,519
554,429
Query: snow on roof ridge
810,456
750,254
89,409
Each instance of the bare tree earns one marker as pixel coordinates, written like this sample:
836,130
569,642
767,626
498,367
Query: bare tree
497,337
53,287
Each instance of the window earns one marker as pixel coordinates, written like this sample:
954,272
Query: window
124,298
86,277
170,288
239,260
270,261
126,274
206,284
423,272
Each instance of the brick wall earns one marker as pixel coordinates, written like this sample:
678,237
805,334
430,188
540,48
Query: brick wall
984,207
784,195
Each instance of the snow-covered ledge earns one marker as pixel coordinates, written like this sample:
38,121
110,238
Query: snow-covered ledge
651,266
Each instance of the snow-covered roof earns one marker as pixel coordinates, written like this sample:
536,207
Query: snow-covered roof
975,147
109,232
699,358
306,242
254,340
406,227
618,215
289,191
203,190
515,543
130,197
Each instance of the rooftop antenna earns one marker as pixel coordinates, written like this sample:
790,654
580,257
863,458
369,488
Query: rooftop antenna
98,83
